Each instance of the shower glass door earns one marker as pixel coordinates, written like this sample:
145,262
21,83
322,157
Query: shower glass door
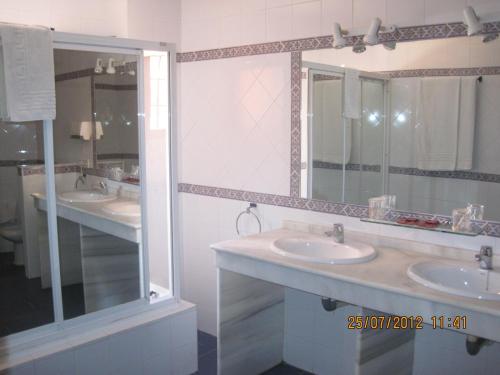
80,230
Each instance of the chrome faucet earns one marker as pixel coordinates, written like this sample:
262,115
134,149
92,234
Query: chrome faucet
82,178
104,187
337,233
485,258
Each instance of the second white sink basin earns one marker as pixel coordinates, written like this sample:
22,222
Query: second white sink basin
131,209
319,250
87,196
457,278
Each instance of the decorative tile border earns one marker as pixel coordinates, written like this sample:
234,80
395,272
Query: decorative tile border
40,169
474,71
488,228
295,145
348,166
412,33
459,175
16,163
403,34
109,86
117,156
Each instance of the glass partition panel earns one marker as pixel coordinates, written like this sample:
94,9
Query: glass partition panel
25,288
96,146
157,133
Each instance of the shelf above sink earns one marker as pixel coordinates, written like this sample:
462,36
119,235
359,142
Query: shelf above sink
324,250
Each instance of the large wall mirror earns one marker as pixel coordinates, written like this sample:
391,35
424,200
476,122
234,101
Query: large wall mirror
419,122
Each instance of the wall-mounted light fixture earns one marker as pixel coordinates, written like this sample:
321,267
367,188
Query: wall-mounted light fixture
338,36
471,20
110,68
371,37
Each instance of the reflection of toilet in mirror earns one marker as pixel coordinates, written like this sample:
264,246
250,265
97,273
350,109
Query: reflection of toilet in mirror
11,231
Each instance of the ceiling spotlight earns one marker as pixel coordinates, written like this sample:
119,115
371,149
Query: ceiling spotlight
474,26
371,38
359,48
490,37
98,66
338,39
390,46
110,68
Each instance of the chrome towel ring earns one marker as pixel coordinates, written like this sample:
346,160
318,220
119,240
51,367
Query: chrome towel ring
248,211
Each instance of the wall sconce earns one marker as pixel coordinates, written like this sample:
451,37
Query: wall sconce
98,66
471,20
111,69
338,36
371,37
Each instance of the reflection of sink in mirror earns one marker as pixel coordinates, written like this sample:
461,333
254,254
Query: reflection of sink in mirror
321,250
457,278
131,209
88,196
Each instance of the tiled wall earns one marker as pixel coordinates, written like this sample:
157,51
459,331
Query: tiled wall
141,19
222,23
235,123
216,24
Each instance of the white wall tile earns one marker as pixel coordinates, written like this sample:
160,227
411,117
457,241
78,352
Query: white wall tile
306,19
335,11
364,12
279,23
405,12
443,11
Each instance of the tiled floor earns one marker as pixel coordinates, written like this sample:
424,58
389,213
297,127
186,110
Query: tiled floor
23,302
207,359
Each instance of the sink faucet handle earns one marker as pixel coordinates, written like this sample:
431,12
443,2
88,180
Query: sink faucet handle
485,257
338,227
486,251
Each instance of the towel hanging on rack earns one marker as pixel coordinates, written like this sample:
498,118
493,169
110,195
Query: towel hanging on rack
27,85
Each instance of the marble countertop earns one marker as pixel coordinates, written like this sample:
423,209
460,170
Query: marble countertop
387,272
91,215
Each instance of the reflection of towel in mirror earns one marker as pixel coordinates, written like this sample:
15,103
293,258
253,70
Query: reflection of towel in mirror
328,123
446,109
352,94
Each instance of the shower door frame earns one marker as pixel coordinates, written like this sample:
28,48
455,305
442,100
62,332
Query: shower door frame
81,324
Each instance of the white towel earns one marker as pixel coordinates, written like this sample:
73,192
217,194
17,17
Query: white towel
84,130
467,122
437,123
27,74
328,123
352,94
446,112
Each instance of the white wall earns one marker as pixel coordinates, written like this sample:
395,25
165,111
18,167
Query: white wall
213,124
140,19
222,23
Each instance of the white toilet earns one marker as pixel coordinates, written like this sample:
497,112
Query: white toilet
11,231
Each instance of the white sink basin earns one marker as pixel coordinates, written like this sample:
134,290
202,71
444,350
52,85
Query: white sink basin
81,196
319,250
130,209
457,278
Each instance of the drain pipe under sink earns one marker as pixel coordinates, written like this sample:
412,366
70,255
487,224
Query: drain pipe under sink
473,344
330,304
